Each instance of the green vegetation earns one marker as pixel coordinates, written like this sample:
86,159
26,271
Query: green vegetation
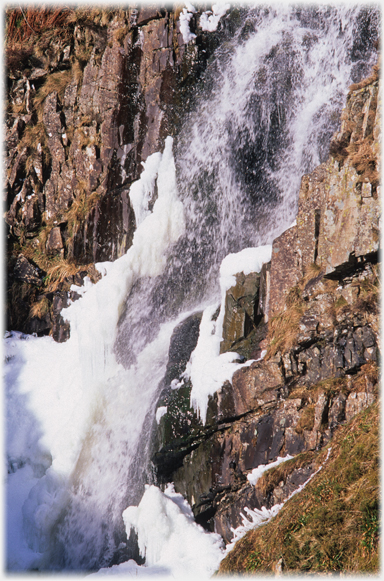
333,524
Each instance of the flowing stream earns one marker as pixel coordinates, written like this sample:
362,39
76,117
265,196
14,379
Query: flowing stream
79,413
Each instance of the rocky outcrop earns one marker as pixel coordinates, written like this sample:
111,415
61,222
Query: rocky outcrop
315,314
92,93
339,204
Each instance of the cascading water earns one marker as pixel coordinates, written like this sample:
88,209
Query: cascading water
269,103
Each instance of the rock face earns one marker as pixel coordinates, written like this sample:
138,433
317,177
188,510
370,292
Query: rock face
315,310
240,316
89,101
339,204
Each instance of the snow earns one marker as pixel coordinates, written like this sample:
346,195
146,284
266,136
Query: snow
170,538
172,543
20,484
207,369
175,384
210,19
132,569
185,17
190,7
247,261
141,191
256,473
160,412
81,290
254,519
54,390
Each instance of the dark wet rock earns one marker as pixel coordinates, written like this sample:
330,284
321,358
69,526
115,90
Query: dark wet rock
40,325
179,429
60,327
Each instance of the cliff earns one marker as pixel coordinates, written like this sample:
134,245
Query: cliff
91,94
314,310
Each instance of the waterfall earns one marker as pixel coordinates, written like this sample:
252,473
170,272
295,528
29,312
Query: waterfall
78,413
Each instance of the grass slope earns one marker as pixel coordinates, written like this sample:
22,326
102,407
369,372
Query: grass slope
333,524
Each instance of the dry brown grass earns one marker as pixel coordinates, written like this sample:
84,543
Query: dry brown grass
363,159
306,419
55,83
57,273
32,136
283,329
312,271
338,147
271,478
368,373
374,76
86,137
77,72
89,15
39,309
23,23
81,206
56,267
120,34
29,29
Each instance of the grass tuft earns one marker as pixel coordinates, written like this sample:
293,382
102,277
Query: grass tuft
55,83
39,309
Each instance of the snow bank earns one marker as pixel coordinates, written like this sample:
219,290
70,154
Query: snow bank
169,537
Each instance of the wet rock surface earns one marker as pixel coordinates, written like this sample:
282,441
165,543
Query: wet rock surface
323,271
